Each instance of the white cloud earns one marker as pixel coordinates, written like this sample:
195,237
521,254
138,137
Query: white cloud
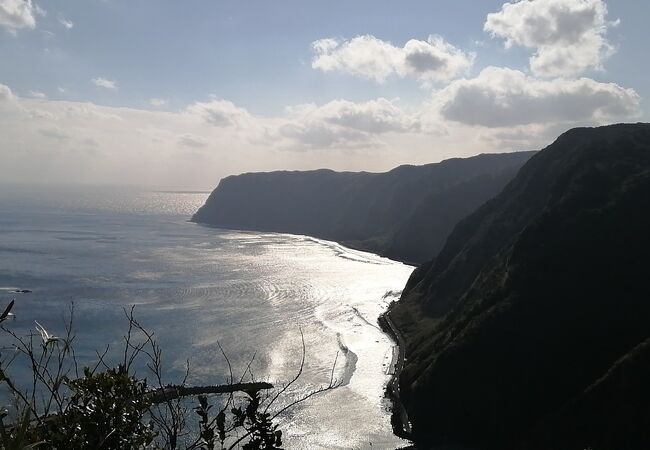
193,141
568,36
51,140
40,114
220,113
373,116
37,94
364,56
54,140
501,97
104,83
157,102
67,23
17,14
369,57
345,124
87,111
5,93
337,124
317,135
54,133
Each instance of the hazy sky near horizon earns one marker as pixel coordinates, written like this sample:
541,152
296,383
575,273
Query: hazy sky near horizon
181,94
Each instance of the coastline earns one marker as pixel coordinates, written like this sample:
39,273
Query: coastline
399,417
329,239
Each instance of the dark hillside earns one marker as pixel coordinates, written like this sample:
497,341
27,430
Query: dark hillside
534,317
405,213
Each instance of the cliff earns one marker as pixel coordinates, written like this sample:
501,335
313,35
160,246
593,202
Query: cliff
530,329
405,213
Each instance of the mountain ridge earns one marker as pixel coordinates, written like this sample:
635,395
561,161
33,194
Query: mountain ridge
389,213
534,298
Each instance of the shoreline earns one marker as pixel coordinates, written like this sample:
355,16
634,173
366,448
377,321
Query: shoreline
399,417
349,245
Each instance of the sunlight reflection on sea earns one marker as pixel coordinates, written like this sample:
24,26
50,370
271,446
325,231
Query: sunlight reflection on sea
194,285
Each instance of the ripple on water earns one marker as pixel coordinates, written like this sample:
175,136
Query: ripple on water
196,286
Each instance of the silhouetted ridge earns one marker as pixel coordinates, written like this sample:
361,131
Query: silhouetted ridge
530,328
405,213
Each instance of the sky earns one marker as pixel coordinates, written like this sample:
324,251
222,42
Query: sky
168,93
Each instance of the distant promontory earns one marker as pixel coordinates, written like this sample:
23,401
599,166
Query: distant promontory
405,214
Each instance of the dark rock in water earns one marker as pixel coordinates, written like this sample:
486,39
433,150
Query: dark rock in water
530,329
405,214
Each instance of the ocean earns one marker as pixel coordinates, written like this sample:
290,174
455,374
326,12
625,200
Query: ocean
104,249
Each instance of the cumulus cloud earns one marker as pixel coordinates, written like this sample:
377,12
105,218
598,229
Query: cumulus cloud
5,93
40,114
501,97
56,140
87,111
370,57
37,94
220,113
498,110
104,83
345,124
568,36
17,14
192,141
318,135
54,133
373,116
157,102
66,23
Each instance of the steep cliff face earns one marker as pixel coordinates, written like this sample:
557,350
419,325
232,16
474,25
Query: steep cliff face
529,329
406,213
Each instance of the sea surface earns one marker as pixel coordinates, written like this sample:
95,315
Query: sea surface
103,249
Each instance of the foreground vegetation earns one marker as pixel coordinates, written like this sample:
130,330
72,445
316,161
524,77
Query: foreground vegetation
108,407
